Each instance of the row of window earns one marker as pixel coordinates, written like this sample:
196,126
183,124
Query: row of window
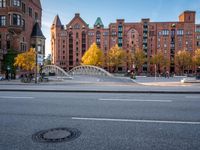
18,3
92,33
13,2
167,32
16,20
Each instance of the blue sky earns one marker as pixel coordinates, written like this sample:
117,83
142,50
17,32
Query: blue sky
110,10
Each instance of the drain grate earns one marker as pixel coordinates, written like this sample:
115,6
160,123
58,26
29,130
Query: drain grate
56,135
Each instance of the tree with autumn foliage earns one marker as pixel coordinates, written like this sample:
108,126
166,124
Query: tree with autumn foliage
196,62
93,56
116,56
159,60
26,60
139,59
196,58
183,60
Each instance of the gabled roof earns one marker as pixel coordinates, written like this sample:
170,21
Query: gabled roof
77,16
99,22
57,21
37,32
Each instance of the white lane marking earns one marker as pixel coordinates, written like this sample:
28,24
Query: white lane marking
136,100
193,97
10,97
136,121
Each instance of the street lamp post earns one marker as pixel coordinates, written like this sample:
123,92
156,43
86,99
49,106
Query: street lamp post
8,72
35,65
155,71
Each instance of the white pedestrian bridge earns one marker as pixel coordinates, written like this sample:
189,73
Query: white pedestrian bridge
79,70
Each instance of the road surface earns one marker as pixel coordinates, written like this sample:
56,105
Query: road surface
106,121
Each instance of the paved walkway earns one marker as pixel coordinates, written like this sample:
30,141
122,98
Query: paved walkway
123,85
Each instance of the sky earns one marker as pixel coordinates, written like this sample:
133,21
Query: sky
110,10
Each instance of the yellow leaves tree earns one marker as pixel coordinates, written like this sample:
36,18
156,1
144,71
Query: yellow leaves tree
196,60
116,56
159,60
93,56
183,60
26,60
196,57
139,59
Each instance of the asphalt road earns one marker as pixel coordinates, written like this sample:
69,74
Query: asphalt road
106,121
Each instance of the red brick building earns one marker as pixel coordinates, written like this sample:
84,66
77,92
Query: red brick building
20,26
71,41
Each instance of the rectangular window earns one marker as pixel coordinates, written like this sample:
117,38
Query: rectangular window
105,34
16,19
98,40
120,41
2,21
114,33
159,33
30,12
17,3
165,32
23,24
23,8
120,28
198,37
180,32
8,45
36,16
119,34
2,3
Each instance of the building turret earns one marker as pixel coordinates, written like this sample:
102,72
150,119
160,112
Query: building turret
57,22
98,23
38,42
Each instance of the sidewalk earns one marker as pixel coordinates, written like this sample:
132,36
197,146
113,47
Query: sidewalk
172,86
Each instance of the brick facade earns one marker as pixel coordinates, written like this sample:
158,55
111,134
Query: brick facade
17,18
71,41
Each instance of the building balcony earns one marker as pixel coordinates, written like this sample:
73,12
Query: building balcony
14,10
14,29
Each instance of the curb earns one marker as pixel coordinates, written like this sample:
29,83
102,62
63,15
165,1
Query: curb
100,91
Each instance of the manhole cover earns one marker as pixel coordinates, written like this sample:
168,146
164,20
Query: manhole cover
56,135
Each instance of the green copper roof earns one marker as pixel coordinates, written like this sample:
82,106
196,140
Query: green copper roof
99,22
